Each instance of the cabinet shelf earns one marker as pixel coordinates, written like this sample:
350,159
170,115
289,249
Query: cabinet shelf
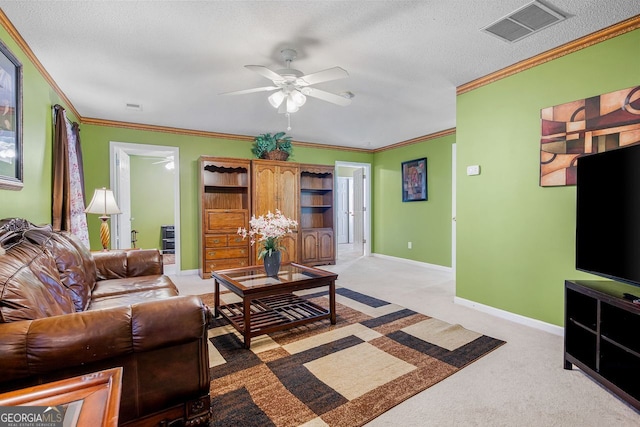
230,186
316,190
620,346
585,327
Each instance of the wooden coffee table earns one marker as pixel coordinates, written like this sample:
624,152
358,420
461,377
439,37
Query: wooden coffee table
268,303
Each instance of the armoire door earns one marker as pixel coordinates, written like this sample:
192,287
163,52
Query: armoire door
276,187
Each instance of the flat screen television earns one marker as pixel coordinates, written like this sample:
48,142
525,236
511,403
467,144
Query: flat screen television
608,214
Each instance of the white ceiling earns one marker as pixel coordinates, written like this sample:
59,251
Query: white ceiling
405,59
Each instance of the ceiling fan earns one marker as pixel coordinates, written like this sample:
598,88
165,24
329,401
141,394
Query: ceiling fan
293,86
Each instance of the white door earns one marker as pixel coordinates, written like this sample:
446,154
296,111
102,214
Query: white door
343,210
358,210
121,239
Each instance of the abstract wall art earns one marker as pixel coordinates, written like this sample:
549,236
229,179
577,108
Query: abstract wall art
592,125
414,180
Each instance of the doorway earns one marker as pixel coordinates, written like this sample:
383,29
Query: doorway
120,153
353,216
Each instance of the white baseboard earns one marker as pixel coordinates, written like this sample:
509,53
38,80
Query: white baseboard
412,262
517,318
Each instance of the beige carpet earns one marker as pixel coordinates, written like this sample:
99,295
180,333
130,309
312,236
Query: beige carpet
375,357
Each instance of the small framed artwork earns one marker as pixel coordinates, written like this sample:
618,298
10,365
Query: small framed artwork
10,120
414,180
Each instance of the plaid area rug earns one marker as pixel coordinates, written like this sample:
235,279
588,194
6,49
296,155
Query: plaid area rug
376,356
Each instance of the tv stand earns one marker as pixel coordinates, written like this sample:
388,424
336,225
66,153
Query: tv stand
601,335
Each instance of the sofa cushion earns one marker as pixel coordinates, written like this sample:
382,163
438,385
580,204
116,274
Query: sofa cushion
30,285
74,262
110,287
132,298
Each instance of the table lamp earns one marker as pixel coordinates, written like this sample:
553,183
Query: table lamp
104,204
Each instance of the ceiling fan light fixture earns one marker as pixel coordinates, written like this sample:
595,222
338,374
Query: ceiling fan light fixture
276,98
298,98
291,105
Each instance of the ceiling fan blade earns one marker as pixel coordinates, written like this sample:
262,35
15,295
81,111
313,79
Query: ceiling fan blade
265,72
326,96
334,73
257,89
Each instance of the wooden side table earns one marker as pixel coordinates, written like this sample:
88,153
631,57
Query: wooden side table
90,400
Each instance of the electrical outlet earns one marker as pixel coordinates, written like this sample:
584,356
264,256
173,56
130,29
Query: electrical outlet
409,244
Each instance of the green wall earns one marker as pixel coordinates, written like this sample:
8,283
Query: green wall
515,244
515,239
33,202
426,224
95,146
152,198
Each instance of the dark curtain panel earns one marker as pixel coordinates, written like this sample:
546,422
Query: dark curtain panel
61,209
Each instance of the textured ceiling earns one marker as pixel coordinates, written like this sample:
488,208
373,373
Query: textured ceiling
405,59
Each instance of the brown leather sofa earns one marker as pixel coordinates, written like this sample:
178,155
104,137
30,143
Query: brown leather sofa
65,312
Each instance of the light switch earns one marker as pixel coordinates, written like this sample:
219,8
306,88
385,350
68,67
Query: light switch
473,170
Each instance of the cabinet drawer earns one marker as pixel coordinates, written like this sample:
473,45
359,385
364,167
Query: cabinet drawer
223,264
225,253
237,240
217,220
215,241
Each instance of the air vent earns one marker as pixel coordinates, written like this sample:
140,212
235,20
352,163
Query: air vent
527,20
133,107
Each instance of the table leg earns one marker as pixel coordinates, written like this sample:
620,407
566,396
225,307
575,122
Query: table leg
332,301
216,299
246,307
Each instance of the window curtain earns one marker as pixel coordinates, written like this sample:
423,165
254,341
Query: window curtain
68,178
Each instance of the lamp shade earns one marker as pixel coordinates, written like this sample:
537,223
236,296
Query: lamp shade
103,203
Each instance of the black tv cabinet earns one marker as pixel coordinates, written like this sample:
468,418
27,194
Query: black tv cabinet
601,337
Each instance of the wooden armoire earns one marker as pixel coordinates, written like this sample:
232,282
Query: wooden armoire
233,190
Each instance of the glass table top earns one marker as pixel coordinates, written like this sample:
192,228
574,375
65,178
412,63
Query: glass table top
255,276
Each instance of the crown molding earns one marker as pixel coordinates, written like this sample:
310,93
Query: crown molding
164,129
615,30
201,133
15,35
416,140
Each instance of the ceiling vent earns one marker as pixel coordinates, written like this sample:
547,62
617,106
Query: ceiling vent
133,107
527,20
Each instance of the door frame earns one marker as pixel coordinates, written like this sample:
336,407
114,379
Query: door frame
160,151
454,186
348,182
367,201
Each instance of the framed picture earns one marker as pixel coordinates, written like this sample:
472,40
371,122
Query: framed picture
88,400
10,120
414,180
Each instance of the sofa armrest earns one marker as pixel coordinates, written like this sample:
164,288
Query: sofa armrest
119,264
39,347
